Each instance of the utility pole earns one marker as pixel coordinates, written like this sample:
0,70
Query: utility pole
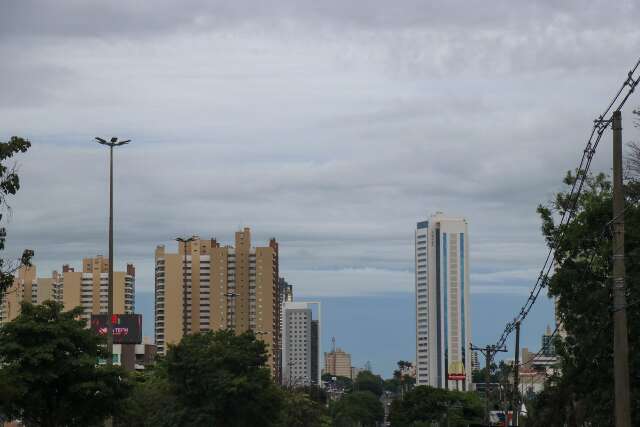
489,351
111,143
620,334
515,401
185,316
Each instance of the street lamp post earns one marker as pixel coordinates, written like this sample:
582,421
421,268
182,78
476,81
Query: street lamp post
185,317
113,142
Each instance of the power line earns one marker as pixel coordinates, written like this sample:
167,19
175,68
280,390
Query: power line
587,268
600,125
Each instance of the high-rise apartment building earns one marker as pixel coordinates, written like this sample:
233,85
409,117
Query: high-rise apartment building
300,344
87,288
443,331
338,363
548,349
205,286
315,353
286,291
26,287
475,362
296,344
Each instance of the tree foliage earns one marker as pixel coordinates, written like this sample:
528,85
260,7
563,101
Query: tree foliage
210,378
48,371
360,408
367,381
151,402
424,405
302,411
582,288
400,383
9,185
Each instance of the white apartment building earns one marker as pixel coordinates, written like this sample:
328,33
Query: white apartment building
443,332
300,344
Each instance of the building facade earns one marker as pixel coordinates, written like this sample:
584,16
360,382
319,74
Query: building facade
87,289
337,363
205,286
134,357
548,349
300,344
443,330
315,353
25,288
475,361
286,290
296,344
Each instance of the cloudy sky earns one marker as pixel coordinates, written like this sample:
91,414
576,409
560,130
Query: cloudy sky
333,126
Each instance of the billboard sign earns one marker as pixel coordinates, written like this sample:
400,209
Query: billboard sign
456,371
456,377
127,328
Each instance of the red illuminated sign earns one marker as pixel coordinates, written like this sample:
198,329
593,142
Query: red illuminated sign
456,377
127,328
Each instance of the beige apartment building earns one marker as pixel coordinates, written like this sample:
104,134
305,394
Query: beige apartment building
338,363
87,288
26,287
206,286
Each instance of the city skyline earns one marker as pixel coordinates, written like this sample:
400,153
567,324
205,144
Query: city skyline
84,287
342,126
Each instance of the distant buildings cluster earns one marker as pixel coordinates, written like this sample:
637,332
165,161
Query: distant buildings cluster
202,286
88,289
207,286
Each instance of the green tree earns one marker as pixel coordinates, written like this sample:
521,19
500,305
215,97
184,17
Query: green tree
581,285
220,378
301,411
151,402
392,385
424,405
367,381
315,393
401,382
48,372
360,408
9,185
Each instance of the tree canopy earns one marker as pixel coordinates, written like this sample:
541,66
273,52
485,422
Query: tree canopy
360,408
9,185
367,381
48,370
209,378
582,288
302,411
424,405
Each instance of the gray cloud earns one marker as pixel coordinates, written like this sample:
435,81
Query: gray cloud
72,18
332,126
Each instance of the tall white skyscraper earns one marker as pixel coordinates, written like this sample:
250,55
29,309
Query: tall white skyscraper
443,330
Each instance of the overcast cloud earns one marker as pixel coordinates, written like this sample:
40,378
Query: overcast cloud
333,126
